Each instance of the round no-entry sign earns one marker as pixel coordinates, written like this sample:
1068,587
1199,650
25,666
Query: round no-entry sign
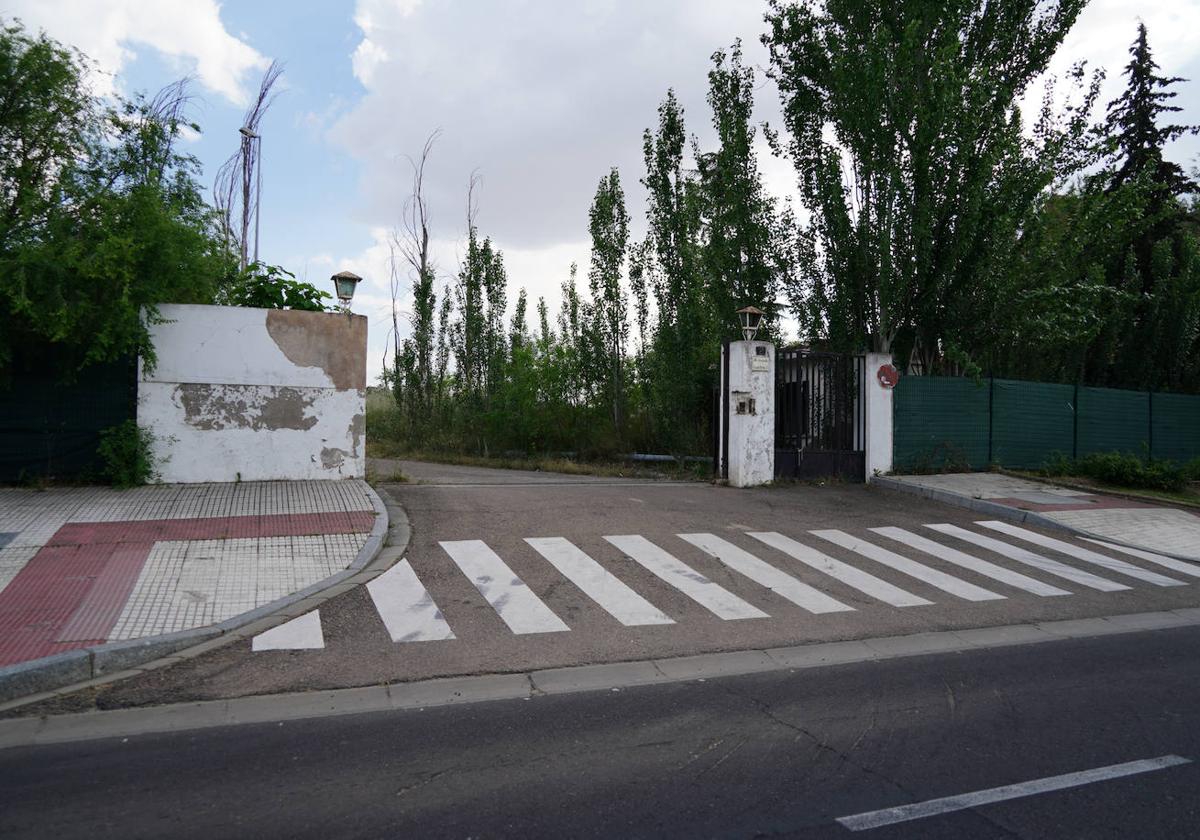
888,376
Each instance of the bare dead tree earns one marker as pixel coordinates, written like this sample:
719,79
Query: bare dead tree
410,243
234,193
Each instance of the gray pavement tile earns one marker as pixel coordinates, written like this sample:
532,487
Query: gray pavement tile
588,677
716,664
829,653
444,692
1009,635
916,643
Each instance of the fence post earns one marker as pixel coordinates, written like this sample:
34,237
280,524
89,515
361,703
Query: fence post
1075,425
1150,423
991,415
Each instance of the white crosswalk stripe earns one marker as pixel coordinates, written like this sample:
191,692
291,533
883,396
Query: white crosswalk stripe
1037,561
512,600
940,580
966,561
599,584
764,574
716,599
1119,566
409,613
847,574
302,633
1181,566
406,607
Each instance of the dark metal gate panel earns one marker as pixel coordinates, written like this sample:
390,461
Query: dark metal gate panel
819,415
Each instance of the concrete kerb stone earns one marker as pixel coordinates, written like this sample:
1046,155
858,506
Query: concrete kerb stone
592,677
999,511
17,732
64,673
45,674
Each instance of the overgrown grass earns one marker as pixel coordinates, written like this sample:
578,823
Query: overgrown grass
688,471
385,441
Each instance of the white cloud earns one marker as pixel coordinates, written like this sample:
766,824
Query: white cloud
543,97
188,33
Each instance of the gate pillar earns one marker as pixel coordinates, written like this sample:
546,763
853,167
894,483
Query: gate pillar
881,376
747,452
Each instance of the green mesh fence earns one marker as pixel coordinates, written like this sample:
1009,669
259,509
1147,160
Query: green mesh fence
1113,421
953,423
1175,426
49,428
1030,421
940,423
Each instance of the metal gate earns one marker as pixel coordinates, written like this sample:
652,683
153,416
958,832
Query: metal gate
819,415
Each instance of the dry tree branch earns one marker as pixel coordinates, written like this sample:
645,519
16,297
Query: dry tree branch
233,187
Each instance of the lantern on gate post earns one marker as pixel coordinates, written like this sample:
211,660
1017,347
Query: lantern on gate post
344,283
750,318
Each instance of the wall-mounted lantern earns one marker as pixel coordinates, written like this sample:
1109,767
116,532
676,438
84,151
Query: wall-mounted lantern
344,283
750,318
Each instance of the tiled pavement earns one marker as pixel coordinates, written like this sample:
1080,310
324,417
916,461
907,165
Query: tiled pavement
80,566
1146,525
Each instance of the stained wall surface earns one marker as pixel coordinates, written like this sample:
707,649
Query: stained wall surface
751,413
255,394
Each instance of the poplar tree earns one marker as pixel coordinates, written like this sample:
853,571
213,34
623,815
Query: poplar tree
910,150
609,227
740,240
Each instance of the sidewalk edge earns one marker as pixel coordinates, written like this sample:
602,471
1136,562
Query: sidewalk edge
62,673
1000,511
528,685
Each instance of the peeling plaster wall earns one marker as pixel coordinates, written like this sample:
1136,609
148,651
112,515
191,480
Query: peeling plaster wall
256,394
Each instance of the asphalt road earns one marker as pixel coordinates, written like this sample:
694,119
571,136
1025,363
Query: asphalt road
779,754
501,510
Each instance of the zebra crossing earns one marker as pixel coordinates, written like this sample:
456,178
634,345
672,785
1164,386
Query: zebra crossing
410,614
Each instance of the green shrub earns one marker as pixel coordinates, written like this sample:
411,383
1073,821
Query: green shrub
127,451
1191,470
1121,469
272,287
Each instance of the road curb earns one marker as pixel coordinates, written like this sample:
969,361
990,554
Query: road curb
64,673
617,676
1000,511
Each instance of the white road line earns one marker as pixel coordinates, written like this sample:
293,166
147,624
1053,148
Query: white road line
599,584
966,561
1037,561
949,804
863,582
781,583
303,633
1181,566
1119,566
512,600
935,578
406,607
717,600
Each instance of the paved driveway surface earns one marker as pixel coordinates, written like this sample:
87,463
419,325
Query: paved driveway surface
510,572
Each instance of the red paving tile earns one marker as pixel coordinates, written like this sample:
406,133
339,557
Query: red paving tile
101,607
71,593
215,528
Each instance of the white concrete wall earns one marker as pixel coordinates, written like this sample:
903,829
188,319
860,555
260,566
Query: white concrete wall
256,394
878,450
751,432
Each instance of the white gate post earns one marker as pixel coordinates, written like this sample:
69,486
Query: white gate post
751,413
881,377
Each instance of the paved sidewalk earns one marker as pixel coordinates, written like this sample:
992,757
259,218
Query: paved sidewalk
1144,525
82,566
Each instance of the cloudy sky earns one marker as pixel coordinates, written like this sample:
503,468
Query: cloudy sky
539,97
